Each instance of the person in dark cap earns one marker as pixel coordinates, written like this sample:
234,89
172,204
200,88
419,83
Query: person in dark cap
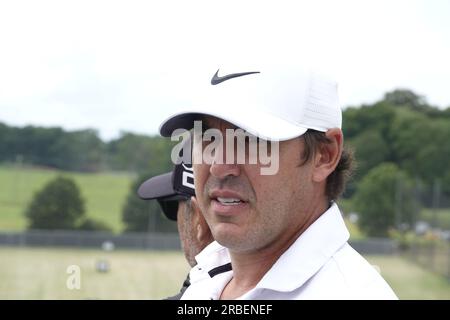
175,193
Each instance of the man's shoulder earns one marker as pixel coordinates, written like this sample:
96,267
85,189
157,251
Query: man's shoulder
349,276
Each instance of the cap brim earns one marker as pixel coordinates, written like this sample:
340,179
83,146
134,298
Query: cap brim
261,124
157,187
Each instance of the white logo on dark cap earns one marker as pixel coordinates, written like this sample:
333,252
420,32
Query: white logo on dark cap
188,176
190,169
185,181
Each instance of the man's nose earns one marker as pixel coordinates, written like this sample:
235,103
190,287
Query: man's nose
223,170
220,167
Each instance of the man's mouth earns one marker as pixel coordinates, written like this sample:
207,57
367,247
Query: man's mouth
229,201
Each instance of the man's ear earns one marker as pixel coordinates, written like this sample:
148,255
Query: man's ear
328,155
202,231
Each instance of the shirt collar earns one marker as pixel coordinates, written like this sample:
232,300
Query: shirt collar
300,262
212,255
308,253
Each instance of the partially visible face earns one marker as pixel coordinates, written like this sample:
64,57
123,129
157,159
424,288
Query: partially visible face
194,232
185,229
247,211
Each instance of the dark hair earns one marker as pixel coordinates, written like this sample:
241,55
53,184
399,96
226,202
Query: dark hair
338,178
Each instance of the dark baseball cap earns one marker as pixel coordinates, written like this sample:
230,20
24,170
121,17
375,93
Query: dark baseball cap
170,188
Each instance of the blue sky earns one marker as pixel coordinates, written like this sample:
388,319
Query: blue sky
113,65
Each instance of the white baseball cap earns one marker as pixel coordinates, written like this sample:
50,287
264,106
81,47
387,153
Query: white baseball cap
271,103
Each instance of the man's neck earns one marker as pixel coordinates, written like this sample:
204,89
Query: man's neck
250,267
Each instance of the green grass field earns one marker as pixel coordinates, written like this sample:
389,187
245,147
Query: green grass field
105,194
40,273
410,281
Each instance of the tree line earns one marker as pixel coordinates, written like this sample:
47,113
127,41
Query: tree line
400,139
81,150
401,128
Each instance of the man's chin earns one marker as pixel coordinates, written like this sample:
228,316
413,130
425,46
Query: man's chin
231,237
227,234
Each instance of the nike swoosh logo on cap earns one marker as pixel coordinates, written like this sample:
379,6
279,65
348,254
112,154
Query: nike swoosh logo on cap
216,79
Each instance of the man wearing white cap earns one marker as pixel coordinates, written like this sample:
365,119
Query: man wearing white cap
279,233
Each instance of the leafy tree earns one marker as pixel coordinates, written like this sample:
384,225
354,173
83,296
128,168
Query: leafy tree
376,117
58,205
384,192
408,132
409,99
53,147
370,150
446,113
6,144
420,144
405,97
433,157
138,153
446,183
89,224
79,150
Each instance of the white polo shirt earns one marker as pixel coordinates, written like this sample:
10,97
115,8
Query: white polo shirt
320,264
